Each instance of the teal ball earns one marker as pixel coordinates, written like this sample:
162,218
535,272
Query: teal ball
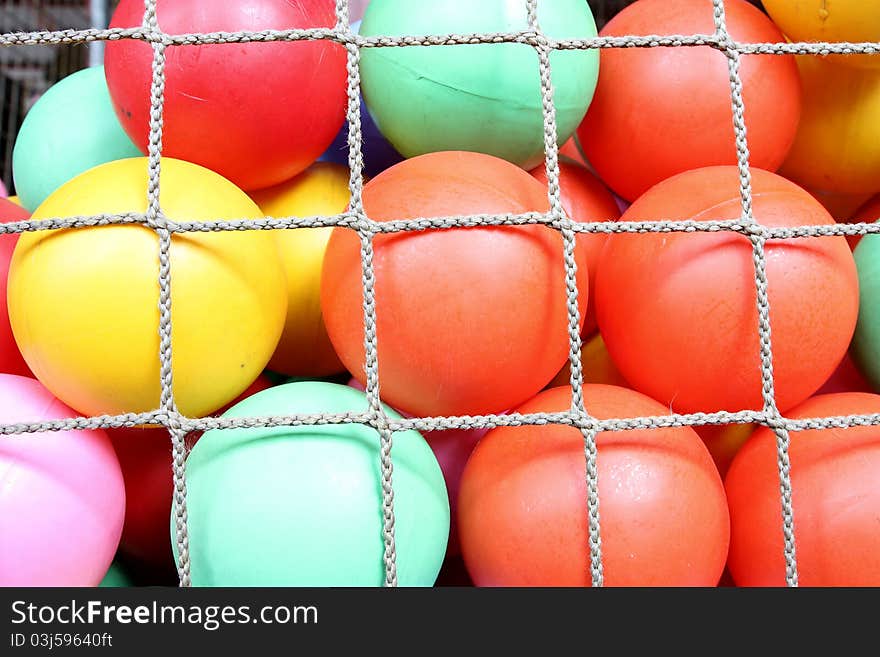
116,577
483,97
866,341
302,506
70,129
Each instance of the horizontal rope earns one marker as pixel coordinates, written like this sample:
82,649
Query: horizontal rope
528,38
354,222
427,424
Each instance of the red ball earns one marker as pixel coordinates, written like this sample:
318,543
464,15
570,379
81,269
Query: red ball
146,460
846,378
678,310
868,213
256,113
661,111
835,499
469,320
523,501
585,199
11,361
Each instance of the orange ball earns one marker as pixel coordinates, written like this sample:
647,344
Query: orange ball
584,199
835,499
522,504
469,320
678,310
660,111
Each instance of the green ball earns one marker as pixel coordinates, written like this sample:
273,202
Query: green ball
70,129
115,577
484,97
866,341
302,506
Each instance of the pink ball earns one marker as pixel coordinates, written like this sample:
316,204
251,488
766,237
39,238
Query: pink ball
453,448
62,498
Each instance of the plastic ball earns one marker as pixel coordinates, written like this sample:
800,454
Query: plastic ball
16,200
116,577
585,199
837,148
835,499
482,97
659,112
62,501
469,320
846,378
3,191
256,113
145,456
378,153
866,341
302,506
868,213
322,189
83,303
357,8
819,20
678,311
70,129
841,206
452,448
522,507
596,364
724,441
572,150
11,361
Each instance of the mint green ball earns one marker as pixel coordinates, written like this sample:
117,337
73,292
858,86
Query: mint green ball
302,506
866,341
70,129
115,577
484,97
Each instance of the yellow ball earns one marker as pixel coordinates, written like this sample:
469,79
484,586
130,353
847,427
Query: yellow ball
597,366
830,20
837,147
83,303
16,200
322,189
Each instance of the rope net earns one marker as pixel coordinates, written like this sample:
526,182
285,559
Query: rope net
356,219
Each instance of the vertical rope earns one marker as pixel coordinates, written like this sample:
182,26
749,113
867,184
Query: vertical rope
759,257
569,241
157,220
368,283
